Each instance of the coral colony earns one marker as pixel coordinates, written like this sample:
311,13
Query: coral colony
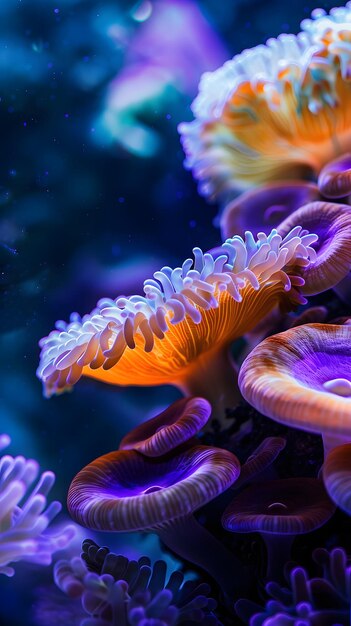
231,477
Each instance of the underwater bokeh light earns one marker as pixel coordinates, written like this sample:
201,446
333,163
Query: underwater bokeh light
184,164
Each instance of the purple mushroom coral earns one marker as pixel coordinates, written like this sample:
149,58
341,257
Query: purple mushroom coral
302,378
126,491
177,424
260,460
334,180
332,223
279,510
266,206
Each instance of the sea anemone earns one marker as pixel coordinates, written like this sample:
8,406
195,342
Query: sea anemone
179,331
106,589
307,601
330,221
275,112
24,514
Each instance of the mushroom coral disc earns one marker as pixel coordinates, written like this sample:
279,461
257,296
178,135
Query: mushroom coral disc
277,111
125,491
301,378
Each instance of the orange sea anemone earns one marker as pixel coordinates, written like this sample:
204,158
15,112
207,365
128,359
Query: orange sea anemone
277,111
179,331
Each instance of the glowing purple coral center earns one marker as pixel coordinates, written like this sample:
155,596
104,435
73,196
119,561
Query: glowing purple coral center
100,339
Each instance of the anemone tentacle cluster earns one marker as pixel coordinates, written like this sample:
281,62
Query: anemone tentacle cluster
114,590
274,112
307,601
184,312
24,514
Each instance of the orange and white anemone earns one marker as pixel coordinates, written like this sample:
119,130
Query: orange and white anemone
277,111
179,331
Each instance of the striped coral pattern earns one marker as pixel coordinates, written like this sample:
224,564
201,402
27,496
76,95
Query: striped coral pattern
178,423
125,491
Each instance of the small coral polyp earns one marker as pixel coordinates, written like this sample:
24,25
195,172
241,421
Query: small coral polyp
274,112
179,331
